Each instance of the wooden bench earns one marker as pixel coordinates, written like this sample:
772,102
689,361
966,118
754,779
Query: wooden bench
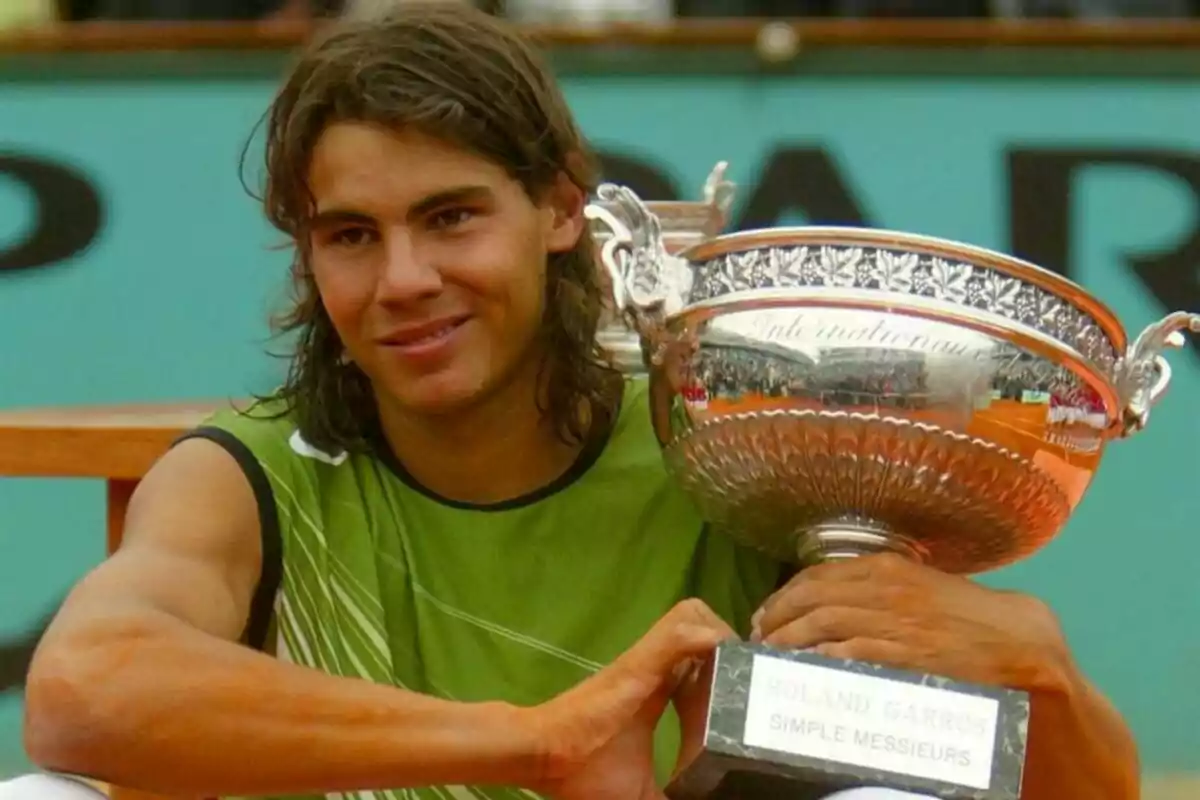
116,444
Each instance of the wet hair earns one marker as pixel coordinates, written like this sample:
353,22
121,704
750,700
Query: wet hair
469,79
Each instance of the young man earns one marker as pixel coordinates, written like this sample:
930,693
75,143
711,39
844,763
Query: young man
444,560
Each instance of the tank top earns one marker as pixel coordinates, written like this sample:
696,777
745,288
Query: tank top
369,575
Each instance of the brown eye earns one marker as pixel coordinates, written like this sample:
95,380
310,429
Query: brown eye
451,218
352,237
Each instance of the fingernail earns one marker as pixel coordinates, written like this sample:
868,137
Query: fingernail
755,626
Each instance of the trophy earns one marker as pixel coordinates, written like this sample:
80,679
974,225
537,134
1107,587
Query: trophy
683,224
828,392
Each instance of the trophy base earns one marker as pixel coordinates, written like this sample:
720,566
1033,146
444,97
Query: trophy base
797,725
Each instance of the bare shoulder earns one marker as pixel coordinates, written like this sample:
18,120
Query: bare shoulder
196,501
191,551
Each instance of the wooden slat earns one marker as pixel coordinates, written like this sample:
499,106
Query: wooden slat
93,442
742,34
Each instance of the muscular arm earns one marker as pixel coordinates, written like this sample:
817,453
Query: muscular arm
140,680
891,610
1079,746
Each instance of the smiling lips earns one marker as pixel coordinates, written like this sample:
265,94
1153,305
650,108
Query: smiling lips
429,339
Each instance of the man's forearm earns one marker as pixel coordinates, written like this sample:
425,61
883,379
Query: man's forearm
1079,747
167,710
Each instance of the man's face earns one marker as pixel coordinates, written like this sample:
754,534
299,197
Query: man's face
431,263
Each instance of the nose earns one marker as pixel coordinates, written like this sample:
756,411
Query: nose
408,273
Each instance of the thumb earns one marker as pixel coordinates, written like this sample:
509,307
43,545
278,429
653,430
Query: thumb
691,699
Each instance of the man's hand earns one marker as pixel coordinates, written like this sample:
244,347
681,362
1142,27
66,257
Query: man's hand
888,610
601,732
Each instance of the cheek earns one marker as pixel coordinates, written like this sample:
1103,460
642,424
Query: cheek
512,310
533,289
509,280
345,300
532,282
528,302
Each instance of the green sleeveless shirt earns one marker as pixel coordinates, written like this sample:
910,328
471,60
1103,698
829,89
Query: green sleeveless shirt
369,575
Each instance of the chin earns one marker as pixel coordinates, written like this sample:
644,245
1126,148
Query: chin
434,395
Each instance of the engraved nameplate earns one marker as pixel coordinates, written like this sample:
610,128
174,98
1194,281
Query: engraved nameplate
871,722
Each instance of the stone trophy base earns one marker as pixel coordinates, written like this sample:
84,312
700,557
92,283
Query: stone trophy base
799,726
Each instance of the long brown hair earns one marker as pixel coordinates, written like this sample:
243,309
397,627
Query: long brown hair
468,79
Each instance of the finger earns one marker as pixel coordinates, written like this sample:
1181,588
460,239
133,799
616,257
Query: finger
695,610
800,599
833,624
873,651
691,706
831,571
676,652
839,570
696,614
861,568
926,659
690,630
881,569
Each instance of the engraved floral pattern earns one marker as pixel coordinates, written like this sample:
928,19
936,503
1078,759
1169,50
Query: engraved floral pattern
839,266
893,272
956,282
949,281
791,263
1000,294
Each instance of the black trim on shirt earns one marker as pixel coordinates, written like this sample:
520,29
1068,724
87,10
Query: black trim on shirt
263,603
598,439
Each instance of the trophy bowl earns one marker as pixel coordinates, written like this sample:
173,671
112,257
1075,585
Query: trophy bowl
826,392
684,224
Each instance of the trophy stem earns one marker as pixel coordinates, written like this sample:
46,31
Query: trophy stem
852,537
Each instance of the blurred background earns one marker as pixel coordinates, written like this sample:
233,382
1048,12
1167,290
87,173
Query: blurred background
136,268
47,11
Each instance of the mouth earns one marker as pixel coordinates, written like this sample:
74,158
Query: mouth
416,337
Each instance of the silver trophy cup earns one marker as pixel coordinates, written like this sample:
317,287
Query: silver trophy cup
824,393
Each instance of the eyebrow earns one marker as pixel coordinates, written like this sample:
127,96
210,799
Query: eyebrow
458,194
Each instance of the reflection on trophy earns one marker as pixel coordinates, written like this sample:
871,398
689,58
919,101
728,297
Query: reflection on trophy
683,223
824,393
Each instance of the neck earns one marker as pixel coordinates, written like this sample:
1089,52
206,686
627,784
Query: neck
499,449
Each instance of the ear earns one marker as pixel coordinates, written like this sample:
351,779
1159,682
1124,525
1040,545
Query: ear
564,206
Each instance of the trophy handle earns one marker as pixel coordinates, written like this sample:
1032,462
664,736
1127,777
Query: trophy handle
718,195
648,284
1144,374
